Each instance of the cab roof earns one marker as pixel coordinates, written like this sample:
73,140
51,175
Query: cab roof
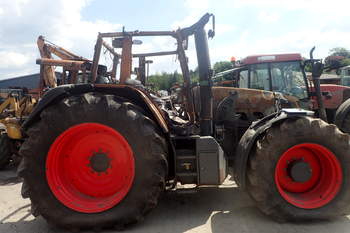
265,58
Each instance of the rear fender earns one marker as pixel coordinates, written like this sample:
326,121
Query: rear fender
133,94
255,131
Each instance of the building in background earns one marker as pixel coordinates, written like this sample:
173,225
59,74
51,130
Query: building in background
27,81
31,82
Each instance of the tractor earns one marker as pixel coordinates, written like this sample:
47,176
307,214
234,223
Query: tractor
16,105
284,74
100,155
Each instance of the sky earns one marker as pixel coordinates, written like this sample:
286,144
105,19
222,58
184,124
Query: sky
243,27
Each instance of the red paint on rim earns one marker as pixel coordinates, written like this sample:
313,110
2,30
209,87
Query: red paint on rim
71,177
322,186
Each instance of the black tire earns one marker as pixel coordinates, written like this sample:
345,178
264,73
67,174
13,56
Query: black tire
147,142
342,117
5,151
261,184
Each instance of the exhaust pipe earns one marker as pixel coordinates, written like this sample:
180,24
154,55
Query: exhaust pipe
204,69
317,69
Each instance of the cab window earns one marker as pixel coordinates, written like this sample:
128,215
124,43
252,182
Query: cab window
259,77
243,79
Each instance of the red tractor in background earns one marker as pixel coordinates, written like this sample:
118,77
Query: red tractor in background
99,155
285,74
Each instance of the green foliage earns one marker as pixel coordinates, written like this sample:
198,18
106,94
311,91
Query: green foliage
345,62
223,66
340,51
165,81
308,68
194,75
338,57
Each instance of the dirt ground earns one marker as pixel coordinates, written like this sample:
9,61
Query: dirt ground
208,210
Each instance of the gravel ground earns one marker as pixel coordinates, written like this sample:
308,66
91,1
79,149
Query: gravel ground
209,210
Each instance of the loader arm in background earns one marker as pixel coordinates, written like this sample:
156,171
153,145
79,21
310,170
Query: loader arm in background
74,66
46,50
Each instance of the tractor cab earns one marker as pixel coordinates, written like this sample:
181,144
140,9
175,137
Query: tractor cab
279,73
283,73
261,82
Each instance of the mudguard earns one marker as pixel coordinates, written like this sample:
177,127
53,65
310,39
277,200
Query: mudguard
129,92
256,130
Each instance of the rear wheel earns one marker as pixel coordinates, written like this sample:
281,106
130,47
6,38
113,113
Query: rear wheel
5,150
93,161
300,171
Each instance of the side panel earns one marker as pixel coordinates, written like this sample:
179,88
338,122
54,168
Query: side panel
211,161
337,95
249,101
253,103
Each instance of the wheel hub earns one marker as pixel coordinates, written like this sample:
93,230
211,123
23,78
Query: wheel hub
90,168
99,162
300,171
308,175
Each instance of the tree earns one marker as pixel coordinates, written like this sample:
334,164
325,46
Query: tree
337,58
340,51
223,66
164,80
346,61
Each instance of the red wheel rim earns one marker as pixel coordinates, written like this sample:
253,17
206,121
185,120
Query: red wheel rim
308,176
90,168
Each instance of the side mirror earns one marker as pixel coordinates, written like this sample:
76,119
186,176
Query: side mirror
211,33
317,69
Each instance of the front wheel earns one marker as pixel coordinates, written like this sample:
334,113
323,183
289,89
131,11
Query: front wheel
300,171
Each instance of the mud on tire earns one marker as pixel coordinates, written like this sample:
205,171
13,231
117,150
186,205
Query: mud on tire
263,181
145,139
